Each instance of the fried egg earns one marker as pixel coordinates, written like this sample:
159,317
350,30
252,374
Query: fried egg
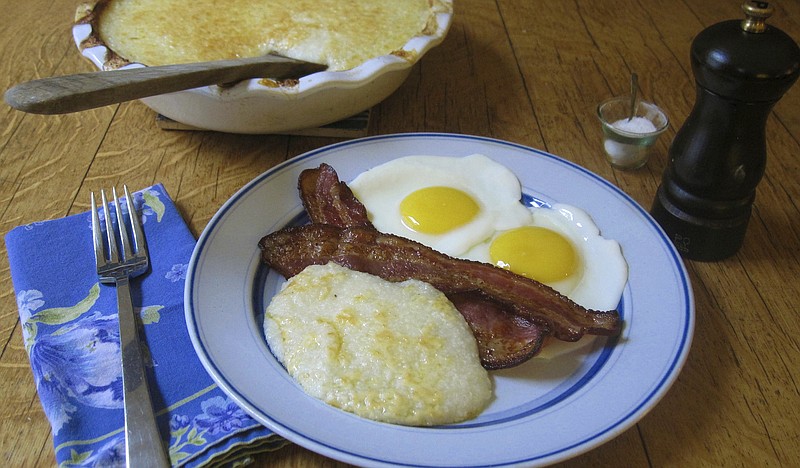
471,208
447,203
562,247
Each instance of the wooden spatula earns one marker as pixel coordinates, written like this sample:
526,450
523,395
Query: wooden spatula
73,93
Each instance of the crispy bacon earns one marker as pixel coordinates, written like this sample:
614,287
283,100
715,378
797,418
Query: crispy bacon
395,258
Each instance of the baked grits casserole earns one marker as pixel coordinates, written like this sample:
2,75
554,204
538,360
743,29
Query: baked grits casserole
370,47
339,34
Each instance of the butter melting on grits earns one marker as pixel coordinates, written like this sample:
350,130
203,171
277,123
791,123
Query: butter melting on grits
393,352
339,34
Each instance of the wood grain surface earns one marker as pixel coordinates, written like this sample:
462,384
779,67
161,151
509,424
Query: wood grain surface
527,71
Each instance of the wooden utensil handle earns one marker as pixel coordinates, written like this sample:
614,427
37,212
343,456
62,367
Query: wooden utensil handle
73,93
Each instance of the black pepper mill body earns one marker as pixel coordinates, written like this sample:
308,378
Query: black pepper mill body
741,68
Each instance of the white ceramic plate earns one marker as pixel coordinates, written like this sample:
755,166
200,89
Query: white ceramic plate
547,410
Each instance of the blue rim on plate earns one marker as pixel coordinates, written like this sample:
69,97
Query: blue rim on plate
550,409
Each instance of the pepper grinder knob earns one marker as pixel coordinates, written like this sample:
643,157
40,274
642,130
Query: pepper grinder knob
756,16
717,158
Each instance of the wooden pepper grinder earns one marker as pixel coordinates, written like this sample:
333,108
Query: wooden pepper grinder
741,68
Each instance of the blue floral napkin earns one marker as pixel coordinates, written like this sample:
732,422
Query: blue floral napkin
69,324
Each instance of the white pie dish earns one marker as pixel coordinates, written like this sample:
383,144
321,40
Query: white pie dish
264,106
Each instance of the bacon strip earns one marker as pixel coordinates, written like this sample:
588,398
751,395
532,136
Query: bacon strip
394,258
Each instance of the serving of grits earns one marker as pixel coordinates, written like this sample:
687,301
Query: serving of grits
393,352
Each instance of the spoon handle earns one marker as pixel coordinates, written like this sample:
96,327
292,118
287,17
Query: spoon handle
634,96
73,93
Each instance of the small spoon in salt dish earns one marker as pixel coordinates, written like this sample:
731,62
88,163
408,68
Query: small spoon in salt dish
634,96
74,93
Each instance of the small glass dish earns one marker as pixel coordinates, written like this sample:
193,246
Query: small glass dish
627,140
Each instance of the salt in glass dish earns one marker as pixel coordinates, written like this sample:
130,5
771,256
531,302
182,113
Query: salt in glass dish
627,140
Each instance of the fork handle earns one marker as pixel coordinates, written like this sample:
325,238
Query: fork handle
143,443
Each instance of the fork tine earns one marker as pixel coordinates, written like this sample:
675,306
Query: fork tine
113,255
136,226
127,253
97,236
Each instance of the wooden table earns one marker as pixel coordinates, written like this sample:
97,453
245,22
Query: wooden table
530,72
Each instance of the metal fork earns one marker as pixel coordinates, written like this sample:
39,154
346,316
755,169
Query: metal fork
143,444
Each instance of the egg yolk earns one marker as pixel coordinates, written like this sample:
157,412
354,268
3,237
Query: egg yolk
436,210
535,252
